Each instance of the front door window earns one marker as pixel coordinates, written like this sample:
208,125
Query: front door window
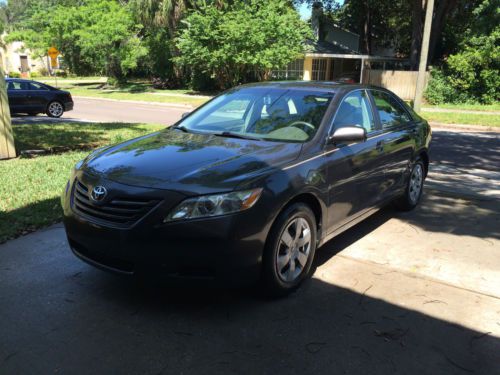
355,110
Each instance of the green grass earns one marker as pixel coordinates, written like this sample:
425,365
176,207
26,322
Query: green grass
29,197
30,188
135,90
75,78
469,107
461,118
65,136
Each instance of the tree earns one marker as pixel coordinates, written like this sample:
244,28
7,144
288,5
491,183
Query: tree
243,39
98,36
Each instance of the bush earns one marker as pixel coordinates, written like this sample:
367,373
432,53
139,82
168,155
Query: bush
15,75
201,81
165,83
472,74
35,75
439,89
242,38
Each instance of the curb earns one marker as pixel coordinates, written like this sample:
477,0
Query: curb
464,127
172,105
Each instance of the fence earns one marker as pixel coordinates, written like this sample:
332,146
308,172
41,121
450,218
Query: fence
401,82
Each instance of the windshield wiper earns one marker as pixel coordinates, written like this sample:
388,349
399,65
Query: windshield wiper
237,135
181,127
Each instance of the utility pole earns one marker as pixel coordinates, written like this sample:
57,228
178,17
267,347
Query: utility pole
424,53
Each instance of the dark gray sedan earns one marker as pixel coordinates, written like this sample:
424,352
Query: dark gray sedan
248,186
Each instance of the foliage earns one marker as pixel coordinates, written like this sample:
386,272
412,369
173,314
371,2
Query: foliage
472,74
247,38
98,36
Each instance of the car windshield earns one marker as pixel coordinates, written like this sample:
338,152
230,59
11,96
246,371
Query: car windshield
279,114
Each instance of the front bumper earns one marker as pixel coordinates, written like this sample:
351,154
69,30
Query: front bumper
226,248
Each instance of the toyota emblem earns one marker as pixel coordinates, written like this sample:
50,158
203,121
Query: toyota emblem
98,193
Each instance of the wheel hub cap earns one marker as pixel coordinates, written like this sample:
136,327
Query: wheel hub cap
294,248
416,181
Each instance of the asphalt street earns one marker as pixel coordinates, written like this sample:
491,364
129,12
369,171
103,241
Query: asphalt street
409,293
110,111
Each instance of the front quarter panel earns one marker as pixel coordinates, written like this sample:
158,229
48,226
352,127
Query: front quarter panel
307,176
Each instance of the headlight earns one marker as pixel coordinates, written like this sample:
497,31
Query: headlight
214,205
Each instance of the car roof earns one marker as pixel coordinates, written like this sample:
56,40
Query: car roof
326,86
19,79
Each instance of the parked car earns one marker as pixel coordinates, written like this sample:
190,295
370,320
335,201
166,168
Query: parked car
35,97
249,185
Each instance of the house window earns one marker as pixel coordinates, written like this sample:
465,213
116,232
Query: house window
293,71
319,69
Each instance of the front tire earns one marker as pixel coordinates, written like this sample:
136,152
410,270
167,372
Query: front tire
290,249
414,188
55,109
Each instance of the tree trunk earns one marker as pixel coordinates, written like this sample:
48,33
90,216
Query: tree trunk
365,29
416,34
443,9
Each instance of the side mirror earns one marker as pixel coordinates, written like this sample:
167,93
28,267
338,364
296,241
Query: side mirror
185,114
348,134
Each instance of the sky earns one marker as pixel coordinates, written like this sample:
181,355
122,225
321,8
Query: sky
305,10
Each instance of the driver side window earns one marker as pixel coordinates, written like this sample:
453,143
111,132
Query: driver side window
355,110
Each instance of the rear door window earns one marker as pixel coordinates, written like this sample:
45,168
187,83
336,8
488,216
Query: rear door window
390,111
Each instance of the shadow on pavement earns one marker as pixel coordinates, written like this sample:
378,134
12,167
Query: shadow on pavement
466,150
95,323
19,119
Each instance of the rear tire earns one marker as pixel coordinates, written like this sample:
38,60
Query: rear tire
289,252
55,109
414,188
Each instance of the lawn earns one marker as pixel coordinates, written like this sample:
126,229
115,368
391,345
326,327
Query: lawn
135,90
65,136
468,107
462,118
30,188
29,196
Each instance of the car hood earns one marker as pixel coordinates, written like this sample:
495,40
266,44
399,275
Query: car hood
187,162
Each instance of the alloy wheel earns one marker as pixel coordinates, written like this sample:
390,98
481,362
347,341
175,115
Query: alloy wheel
56,109
416,181
294,248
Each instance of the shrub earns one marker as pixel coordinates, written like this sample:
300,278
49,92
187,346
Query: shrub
15,75
244,37
472,74
440,90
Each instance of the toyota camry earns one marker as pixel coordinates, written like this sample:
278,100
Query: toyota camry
247,187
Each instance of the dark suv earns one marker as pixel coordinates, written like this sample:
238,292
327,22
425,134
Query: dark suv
35,97
249,185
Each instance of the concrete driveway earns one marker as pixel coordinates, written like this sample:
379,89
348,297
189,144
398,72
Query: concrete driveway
406,293
415,292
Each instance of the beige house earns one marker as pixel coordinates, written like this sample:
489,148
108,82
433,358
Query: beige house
334,55
16,58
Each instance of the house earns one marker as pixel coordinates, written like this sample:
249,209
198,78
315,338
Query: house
16,58
333,55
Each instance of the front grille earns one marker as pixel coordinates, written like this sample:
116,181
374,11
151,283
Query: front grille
120,212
